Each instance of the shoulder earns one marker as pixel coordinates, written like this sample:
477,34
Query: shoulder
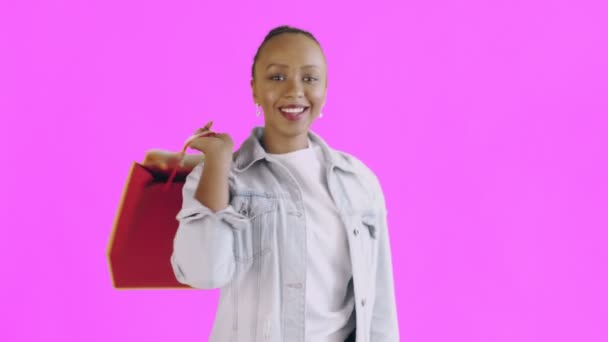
367,176
356,165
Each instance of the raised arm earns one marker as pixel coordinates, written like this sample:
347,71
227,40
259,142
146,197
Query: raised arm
203,254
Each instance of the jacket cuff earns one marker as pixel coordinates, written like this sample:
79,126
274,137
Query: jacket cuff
228,215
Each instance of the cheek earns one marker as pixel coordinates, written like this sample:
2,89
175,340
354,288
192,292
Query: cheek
270,95
317,96
270,100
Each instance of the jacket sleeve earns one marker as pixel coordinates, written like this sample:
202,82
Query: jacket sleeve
384,323
203,255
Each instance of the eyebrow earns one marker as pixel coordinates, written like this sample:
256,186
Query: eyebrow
286,66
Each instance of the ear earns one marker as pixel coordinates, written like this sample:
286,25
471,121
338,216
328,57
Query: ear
255,98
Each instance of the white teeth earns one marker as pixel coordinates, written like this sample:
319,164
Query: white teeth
292,110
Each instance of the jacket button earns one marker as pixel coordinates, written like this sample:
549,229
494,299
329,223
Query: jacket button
363,302
356,231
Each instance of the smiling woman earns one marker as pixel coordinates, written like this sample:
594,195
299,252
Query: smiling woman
289,81
292,231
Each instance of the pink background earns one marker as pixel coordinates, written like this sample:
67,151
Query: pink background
485,121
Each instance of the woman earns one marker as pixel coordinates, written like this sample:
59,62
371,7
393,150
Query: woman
293,232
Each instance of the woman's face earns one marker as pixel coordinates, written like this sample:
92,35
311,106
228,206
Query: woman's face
290,84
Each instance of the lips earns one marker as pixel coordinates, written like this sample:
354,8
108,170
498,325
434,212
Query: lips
293,113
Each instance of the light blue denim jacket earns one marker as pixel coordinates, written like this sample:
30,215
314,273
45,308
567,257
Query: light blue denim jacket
255,249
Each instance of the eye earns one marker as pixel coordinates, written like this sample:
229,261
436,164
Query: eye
276,77
310,79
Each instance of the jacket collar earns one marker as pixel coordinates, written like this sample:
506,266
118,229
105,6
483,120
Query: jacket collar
252,151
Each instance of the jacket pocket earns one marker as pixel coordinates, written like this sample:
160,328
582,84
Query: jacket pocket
254,241
369,235
370,221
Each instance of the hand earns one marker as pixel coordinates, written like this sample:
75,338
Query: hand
213,145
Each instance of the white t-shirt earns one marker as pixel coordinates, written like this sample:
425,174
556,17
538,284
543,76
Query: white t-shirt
329,292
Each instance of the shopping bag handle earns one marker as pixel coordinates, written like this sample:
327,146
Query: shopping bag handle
182,153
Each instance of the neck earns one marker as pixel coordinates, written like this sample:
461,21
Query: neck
278,144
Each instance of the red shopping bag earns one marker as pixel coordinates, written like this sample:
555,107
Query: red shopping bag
142,237
144,228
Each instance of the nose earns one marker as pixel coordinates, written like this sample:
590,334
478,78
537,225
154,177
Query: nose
294,88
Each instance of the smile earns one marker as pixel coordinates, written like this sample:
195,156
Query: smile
293,113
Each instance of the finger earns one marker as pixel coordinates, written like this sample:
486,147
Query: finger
197,136
207,127
204,135
196,140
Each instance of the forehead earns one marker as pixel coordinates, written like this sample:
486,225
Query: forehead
293,50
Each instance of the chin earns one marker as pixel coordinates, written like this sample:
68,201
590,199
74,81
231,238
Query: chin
290,130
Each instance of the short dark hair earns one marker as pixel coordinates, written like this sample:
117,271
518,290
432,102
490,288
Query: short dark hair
278,31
